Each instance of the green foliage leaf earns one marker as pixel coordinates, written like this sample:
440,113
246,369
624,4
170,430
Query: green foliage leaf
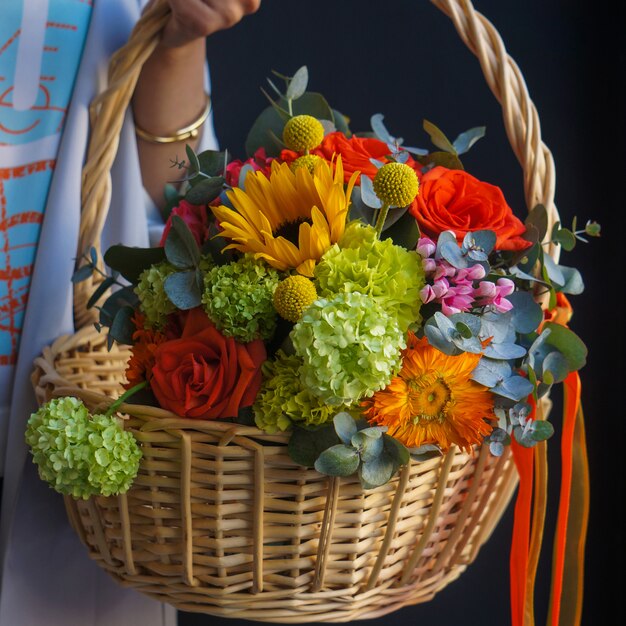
404,232
564,237
568,343
183,290
467,139
194,164
540,430
181,248
592,229
212,162
536,224
205,190
339,460
268,127
131,262
438,138
572,281
396,450
445,159
306,445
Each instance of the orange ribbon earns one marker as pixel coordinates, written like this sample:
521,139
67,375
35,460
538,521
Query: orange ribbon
569,541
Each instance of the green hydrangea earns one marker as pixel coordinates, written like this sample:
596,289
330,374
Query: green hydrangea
350,346
283,399
238,298
150,290
80,455
388,273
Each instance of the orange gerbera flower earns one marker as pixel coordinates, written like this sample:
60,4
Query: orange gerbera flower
433,400
141,361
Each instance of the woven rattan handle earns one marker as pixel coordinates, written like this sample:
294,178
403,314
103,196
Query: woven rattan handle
479,35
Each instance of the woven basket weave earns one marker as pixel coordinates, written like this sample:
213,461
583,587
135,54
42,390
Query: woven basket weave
219,519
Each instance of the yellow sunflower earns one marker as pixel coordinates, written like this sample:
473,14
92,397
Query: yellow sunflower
291,218
433,400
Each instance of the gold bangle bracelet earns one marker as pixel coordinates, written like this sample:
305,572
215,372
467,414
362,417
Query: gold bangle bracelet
188,132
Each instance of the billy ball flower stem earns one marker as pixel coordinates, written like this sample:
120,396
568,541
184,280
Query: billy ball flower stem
127,394
380,219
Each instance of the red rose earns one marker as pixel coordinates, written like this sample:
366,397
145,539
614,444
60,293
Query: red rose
204,374
260,162
355,152
195,216
454,200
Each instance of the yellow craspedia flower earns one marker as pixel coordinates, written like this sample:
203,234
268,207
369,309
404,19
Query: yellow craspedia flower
302,133
396,184
293,296
308,160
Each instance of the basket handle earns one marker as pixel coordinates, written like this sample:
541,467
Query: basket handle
107,111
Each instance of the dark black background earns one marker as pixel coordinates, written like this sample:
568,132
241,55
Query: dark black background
404,59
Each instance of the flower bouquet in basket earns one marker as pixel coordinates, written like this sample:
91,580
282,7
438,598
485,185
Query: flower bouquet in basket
359,305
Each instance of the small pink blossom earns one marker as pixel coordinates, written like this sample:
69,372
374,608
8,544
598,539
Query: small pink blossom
429,265
195,216
426,247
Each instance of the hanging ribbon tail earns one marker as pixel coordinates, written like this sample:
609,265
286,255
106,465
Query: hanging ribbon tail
571,526
520,542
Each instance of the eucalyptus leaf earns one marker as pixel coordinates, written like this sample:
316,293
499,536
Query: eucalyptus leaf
451,252
99,292
368,195
181,248
483,240
122,327
82,273
376,472
515,388
380,130
425,452
243,173
536,223
490,372
445,159
396,450
345,426
341,122
183,290
468,138
553,270
212,162
438,340
298,84
526,313
306,445
556,365
565,238
568,343
572,281
504,351
339,460
540,430
369,448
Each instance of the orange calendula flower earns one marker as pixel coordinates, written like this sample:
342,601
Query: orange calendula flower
433,400
146,341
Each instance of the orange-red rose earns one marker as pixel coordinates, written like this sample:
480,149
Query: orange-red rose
204,374
455,200
355,152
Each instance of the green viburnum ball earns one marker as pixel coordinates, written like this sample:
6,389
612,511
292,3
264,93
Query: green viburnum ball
238,298
362,263
350,347
80,455
283,399
150,290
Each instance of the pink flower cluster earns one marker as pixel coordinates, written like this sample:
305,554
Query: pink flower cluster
455,289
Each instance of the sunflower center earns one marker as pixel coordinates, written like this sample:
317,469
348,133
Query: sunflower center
291,230
429,400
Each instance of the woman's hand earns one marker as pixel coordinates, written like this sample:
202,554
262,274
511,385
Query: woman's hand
197,19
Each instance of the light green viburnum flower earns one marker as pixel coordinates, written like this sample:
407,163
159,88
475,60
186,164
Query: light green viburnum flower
350,346
283,399
238,298
361,263
150,290
80,455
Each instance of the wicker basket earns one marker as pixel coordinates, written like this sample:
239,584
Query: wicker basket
219,519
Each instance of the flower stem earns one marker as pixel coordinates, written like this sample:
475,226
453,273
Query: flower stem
127,394
380,220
